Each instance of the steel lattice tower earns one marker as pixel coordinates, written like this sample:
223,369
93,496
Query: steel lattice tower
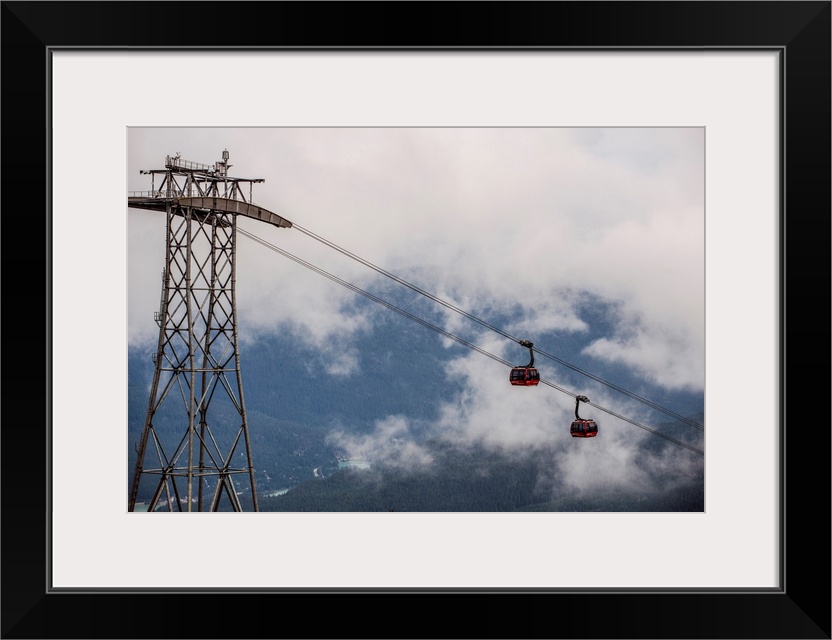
189,456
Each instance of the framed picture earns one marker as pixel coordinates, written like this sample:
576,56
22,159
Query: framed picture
752,78
556,233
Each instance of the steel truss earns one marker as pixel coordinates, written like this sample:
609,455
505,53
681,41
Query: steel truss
197,383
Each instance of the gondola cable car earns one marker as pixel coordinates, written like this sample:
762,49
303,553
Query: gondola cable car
581,428
526,376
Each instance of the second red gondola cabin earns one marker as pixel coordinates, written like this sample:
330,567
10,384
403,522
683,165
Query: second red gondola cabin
583,429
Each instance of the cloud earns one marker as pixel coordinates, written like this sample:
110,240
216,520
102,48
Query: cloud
391,443
670,363
600,464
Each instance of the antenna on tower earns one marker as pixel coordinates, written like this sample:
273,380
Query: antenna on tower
222,166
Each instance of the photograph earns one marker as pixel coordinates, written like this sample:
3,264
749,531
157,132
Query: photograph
408,319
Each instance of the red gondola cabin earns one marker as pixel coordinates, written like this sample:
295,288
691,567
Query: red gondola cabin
583,429
524,376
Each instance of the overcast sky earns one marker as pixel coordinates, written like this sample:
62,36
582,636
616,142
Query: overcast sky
487,218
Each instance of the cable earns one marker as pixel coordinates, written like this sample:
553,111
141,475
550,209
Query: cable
445,333
470,316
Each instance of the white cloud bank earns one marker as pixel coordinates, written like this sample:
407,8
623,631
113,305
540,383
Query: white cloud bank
494,218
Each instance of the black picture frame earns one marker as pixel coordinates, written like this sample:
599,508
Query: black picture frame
799,31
